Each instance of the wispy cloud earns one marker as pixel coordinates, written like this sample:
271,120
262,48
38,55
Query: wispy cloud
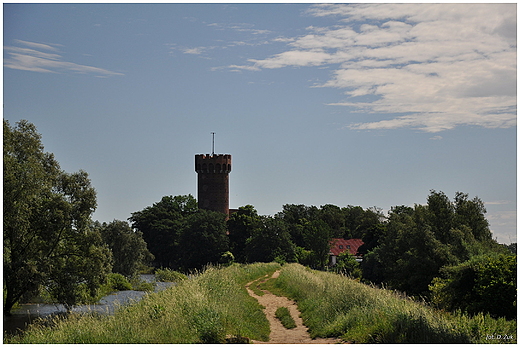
39,57
437,66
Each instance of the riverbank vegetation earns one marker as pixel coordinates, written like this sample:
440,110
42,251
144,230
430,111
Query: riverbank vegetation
210,307
337,306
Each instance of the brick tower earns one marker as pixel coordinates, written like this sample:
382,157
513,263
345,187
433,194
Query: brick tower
213,181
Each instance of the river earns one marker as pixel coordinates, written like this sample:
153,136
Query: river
27,313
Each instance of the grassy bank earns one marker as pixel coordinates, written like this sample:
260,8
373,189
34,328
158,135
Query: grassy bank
333,305
202,310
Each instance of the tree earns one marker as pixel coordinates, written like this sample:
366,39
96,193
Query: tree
204,239
335,219
241,225
317,236
271,240
485,283
409,256
440,215
128,248
472,214
47,239
347,264
162,224
293,215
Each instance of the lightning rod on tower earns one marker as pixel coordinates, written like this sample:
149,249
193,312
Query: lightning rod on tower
213,145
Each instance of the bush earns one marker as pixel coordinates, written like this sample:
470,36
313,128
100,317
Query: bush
348,265
168,275
484,283
118,282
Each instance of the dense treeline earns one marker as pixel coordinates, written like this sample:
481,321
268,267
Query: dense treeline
183,237
442,251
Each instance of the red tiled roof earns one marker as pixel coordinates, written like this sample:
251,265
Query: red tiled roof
341,245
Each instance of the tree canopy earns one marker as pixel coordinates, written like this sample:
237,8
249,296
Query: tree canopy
48,241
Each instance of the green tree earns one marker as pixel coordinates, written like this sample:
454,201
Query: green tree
271,240
359,221
347,264
241,226
441,215
472,214
128,248
204,239
409,256
292,216
162,224
317,236
335,219
485,283
47,239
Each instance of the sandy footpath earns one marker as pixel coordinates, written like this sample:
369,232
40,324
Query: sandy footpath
279,334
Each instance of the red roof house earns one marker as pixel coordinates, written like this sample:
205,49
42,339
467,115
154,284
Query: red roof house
338,246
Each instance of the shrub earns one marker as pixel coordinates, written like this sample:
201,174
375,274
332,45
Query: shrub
168,275
484,283
118,282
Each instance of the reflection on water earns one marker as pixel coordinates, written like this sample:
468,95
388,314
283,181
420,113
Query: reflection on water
27,313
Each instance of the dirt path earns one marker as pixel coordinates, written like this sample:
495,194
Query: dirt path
279,334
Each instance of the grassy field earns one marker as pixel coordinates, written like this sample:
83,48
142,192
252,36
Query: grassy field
334,305
214,305
206,309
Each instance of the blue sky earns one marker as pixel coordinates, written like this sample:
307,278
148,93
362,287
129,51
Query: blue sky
364,104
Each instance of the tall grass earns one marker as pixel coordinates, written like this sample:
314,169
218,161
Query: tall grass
334,305
205,309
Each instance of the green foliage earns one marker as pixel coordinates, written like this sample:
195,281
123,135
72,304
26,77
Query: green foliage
227,258
270,241
169,275
484,283
162,224
317,236
206,309
241,225
347,264
181,236
419,241
203,240
128,248
333,305
283,314
48,242
118,282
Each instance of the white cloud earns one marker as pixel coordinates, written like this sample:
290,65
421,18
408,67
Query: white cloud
437,65
35,59
195,50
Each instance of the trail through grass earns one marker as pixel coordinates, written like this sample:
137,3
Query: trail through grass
334,305
206,309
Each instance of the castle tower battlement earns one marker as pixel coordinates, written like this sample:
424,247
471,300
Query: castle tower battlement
213,181
217,163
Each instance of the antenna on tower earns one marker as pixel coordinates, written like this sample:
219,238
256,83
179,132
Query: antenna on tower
213,145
